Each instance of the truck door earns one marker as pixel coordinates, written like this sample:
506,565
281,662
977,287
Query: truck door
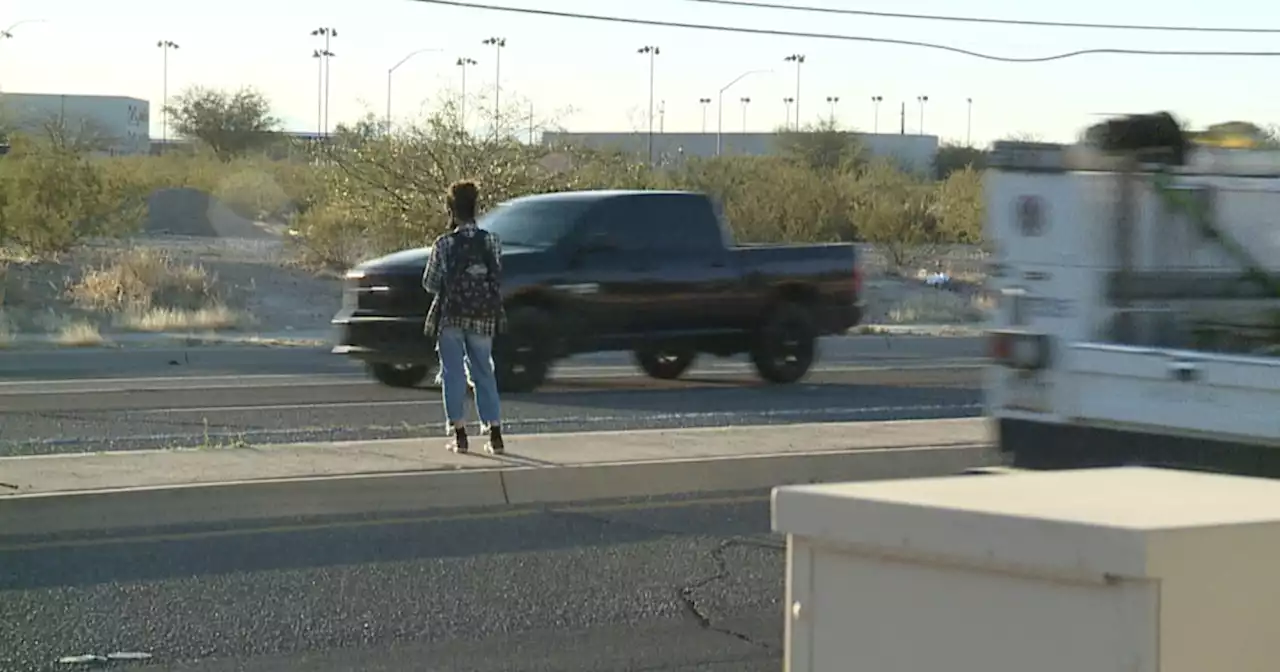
692,273
612,270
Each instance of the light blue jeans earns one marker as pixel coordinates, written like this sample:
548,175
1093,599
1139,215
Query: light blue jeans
464,355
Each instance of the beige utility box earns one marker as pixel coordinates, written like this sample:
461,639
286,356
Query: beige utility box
1097,570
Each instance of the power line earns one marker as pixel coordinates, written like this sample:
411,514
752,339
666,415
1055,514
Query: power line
849,38
974,19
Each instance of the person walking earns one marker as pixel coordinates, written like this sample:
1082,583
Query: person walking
464,276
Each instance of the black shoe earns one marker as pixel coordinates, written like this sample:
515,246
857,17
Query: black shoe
495,446
459,442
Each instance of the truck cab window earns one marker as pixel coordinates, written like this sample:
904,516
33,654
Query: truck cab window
539,224
660,223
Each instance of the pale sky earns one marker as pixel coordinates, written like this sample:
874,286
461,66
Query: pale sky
587,76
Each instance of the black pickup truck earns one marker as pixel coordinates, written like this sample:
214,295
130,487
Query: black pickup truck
651,272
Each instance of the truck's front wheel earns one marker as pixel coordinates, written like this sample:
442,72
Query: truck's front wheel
785,345
664,364
522,354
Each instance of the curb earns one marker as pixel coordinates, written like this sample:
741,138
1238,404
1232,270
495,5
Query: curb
25,516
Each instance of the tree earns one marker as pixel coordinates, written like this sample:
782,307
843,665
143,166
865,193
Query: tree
821,147
79,136
1238,134
229,123
952,157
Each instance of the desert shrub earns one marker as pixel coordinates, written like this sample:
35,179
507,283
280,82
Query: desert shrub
52,198
370,193
141,279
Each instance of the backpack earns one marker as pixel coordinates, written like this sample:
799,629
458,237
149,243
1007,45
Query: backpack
472,289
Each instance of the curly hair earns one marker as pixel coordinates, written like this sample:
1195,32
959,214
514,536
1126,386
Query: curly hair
461,199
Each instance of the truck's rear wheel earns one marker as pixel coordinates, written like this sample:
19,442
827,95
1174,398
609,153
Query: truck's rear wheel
399,375
522,354
666,364
785,345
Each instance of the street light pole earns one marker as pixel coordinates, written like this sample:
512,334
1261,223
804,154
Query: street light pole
968,124
463,62
704,102
745,102
720,105
326,54
497,43
319,55
165,46
798,59
787,102
831,102
653,52
922,100
391,70
875,106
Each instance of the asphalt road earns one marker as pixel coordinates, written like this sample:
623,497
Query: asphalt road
662,586
303,395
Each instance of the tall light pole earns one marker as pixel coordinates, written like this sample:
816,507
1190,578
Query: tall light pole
968,123
720,105
497,43
652,52
325,55
787,102
875,110
662,117
391,70
745,102
319,55
922,100
165,46
798,59
831,102
704,102
463,62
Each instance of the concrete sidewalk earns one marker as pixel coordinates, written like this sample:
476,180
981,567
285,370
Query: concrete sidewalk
159,468
132,489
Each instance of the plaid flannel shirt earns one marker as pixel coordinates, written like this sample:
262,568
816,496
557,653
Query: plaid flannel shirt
435,276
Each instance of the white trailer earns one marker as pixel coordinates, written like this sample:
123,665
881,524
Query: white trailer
1139,307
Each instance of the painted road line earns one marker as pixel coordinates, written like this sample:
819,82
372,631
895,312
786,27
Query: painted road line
95,386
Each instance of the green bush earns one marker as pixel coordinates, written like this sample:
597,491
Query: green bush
52,198
368,193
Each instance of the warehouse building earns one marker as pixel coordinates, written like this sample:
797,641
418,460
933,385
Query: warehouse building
112,125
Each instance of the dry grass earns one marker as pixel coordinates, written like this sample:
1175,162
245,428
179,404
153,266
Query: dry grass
209,318
142,279
940,307
148,290
80,334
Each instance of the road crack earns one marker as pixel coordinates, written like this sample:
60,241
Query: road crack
687,592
